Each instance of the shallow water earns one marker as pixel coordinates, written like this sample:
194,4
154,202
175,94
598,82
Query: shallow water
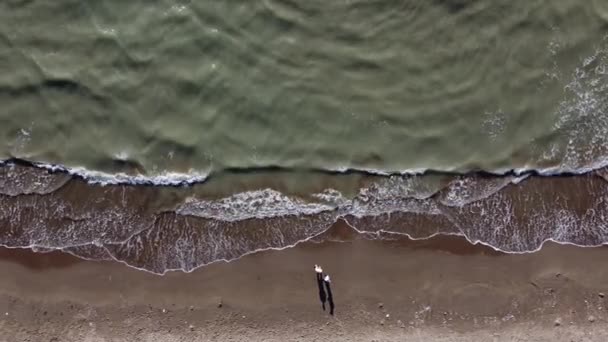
162,228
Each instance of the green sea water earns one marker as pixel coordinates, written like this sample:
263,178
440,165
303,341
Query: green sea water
192,87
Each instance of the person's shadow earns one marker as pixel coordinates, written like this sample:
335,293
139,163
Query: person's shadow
330,298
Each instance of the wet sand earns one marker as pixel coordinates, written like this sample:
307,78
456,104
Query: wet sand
442,289
178,228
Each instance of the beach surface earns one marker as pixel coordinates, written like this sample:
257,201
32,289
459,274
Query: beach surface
440,289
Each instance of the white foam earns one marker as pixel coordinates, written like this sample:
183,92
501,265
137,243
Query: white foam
394,194
466,190
122,155
264,203
332,196
170,178
165,178
346,169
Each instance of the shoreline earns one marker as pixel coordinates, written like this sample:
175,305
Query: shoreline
160,229
443,288
134,175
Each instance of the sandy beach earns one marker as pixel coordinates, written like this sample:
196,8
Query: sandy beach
442,289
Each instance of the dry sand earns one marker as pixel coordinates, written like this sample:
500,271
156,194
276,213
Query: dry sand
443,289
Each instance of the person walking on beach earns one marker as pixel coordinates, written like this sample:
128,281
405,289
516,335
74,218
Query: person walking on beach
322,296
324,285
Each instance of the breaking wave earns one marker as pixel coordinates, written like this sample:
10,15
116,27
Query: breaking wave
510,213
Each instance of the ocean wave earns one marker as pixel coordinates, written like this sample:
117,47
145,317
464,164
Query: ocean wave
193,177
383,196
578,124
165,178
122,223
579,113
19,180
251,204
